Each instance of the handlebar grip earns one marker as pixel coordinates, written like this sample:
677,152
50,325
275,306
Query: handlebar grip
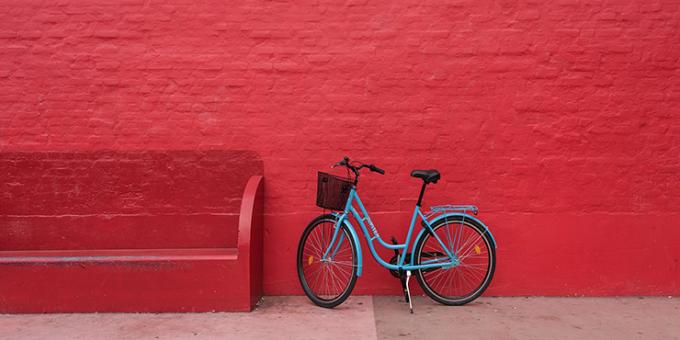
376,169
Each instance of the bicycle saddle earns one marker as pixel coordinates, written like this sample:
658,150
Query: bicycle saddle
429,176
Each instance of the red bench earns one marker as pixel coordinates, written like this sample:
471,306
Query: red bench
173,231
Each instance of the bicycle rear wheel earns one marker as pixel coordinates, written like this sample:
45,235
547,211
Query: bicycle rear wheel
327,282
456,285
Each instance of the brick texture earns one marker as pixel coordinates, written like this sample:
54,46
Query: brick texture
560,120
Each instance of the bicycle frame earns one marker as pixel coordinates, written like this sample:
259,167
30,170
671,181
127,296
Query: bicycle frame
450,260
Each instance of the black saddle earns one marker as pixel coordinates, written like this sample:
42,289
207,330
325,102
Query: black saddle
429,176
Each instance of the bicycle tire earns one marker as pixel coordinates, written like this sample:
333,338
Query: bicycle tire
455,300
304,257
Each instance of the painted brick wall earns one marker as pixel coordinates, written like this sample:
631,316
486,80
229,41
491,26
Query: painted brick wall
560,120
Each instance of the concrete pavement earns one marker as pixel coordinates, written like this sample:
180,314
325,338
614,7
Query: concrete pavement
380,317
533,318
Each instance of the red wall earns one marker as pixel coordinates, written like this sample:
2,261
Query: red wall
560,121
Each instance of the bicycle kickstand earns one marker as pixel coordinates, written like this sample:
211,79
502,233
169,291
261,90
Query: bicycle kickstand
404,280
408,291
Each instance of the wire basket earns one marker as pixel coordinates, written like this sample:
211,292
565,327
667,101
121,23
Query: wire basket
332,191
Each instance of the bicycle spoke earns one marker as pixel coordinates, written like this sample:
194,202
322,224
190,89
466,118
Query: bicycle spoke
337,286
448,237
342,271
316,251
467,246
317,242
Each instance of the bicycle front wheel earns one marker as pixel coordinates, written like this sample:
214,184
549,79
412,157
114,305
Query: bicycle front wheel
326,281
470,242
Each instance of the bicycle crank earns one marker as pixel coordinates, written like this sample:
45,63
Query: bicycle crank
394,261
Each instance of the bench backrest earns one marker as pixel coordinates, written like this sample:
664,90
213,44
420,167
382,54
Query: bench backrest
122,199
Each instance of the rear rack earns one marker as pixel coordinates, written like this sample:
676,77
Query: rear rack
441,209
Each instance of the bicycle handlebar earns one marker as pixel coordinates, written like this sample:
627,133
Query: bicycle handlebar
376,169
346,162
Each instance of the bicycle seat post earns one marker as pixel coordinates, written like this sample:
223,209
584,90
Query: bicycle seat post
422,192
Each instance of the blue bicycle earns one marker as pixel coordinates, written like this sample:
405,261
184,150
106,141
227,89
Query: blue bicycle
453,256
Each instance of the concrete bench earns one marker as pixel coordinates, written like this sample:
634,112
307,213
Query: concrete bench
140,231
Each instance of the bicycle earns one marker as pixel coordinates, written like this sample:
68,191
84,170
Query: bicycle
453,256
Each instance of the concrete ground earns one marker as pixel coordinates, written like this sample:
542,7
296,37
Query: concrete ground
380,317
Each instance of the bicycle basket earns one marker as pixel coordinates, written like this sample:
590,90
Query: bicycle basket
332,191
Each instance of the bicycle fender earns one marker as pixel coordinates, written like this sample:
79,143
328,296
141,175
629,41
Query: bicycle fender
454,214
355,237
